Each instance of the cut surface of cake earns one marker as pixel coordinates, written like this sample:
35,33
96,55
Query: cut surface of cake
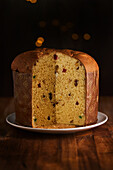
55,88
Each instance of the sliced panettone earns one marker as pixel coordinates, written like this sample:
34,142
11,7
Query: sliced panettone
55,88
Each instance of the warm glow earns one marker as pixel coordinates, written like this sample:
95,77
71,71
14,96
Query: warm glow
39,41
42,24
38,44
86,36
75,36
32,1
55,22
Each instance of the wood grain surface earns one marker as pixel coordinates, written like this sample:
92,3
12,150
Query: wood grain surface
92,149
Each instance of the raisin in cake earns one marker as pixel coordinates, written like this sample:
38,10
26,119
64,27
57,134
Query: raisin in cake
55,88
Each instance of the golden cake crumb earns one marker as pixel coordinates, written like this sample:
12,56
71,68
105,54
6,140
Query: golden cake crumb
59,100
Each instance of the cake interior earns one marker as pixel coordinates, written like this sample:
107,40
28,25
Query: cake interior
58,91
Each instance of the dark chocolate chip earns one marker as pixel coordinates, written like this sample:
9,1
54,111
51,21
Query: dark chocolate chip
77,103
50,96
43,96
34,77
56,69
48,118
64,70
54,104
77,68
69,94
71,121
55,57
39,85
76,82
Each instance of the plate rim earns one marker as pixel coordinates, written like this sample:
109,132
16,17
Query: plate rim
58,129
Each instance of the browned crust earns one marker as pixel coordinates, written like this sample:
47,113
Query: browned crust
92,96
23,97
24,62
23,65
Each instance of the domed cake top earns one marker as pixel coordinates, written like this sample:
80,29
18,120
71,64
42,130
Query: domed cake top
24,62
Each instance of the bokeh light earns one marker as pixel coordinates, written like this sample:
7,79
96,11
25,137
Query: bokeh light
75,36
32,1
38,44
39,41
87,36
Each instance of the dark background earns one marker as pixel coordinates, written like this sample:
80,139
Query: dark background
20,28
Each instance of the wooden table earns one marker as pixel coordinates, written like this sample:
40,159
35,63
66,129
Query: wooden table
92,149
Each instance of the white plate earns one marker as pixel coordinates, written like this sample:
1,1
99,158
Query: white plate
102,118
